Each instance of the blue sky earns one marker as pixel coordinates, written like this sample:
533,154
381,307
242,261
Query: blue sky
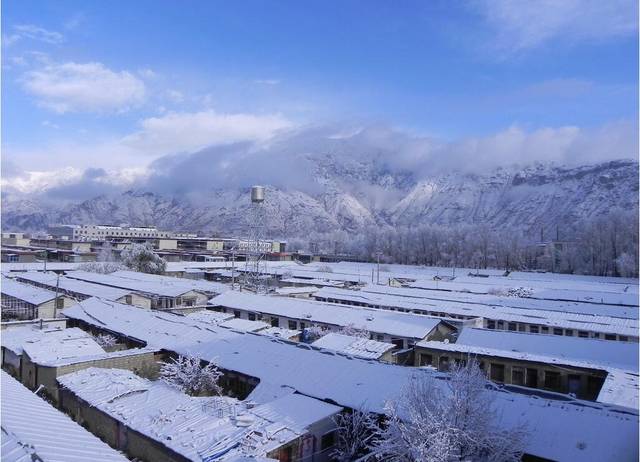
118,84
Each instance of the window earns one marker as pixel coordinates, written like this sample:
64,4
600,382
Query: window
128,299
573,382
251,316
444,364
380,337
522,327
532,378
623,338
302,326
552,380
426,360
328,440
236,313
293,325
534,329
500,324
512,326
275,322
398,342
596,335
544,329
491,324
583,334
497,372
517,375
568,332
557,331
59,303
609,336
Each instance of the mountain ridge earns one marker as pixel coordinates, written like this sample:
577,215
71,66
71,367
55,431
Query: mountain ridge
352,196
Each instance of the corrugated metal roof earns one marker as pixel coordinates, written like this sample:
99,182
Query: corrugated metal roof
54,437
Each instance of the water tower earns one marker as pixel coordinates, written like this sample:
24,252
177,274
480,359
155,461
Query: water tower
257,245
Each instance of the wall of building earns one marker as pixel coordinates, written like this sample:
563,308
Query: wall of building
34,375
584,383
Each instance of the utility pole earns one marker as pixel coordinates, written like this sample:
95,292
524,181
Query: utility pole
46,256
378,278
55,303
233,268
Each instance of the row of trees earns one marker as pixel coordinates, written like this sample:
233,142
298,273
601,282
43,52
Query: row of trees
604,246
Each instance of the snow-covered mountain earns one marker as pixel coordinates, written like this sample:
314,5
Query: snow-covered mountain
351,196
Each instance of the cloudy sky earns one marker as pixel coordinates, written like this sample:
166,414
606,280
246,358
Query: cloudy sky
110,90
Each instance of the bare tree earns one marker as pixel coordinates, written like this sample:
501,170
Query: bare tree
187,374
443,422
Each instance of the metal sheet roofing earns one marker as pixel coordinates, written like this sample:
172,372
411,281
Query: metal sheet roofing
402,325
30,422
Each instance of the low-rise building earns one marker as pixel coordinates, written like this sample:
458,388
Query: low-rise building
557,425
124,410
401,329
24,301
75,288
356,346
578,366
33,430
38,357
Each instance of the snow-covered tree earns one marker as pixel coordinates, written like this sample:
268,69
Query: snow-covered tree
189,375
142,258
353,331
105,340
105,262
102,267
355,431
313,333
444,421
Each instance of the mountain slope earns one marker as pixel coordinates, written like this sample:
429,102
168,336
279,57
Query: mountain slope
352,196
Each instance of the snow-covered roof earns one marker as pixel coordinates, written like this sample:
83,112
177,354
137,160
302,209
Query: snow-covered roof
198,428
550,318
244,325
18,338
280,332
396,324
563,430
313,281
25,292
50,349
354,346
32,426
412,294
296,290
74,285
200,285
621,355
618,359
159,288
611,294
210,317
39,266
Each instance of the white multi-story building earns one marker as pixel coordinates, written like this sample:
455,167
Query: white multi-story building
91,232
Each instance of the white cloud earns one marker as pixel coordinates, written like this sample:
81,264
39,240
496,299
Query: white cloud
267,81
88,87
522,25
189,131
174,96
34,32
